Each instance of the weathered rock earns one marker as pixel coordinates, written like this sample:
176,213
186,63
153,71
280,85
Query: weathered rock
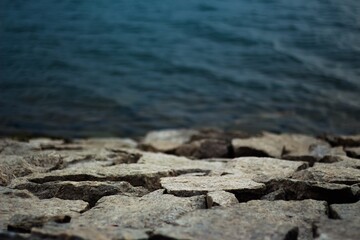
218,134
291,189
149,211
189,186
346,141
179,163
22,203
166,140
347,162
12,166
136,174
220,198
253,220
264,168
263,146
329,173
345,211
287,146
88,233
88,191
24,222
12,147
353,152
328,229
206,148
112,144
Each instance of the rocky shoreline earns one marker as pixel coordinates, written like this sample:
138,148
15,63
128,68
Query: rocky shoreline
181,184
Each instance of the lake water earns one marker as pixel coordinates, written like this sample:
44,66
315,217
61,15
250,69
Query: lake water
123,67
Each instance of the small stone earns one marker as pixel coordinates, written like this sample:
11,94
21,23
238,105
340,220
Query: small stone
353,152
220,198
166,140
346,141
206,148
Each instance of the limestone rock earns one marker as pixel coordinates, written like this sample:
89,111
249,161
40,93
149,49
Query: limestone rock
149,211
89,191
22,203
88,233
190,186
264,168
253,220
136,174
345,211
167,140
220,198
353,152
347,162
263,146
292,189
206,148
12,166
179,163
329,173
346,141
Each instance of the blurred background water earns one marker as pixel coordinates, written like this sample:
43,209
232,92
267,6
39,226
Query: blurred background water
123,67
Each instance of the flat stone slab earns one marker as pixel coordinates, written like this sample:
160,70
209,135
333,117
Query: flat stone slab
268,168
329,173
345,211
287,146
149,211
353,152
136,174
89,191
194,185
17,205
205,148
253,220
179,163
347,141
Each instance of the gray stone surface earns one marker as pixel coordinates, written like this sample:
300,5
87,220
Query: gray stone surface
330,173
329,229
347,141
149,211
265,168
17,205
89,191
353,152
205,148
345,211
253,220
194,185
220,198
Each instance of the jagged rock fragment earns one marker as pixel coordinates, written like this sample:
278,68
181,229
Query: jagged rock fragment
220,198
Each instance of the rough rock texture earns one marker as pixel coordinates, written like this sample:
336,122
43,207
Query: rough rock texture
258,220
265,168
190,186
167,140
329,173
220,198
149,211
329,229
345,211
21,210
181,184
89,191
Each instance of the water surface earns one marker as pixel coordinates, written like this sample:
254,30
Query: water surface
89,67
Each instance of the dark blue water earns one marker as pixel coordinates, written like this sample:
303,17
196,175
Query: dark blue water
122,67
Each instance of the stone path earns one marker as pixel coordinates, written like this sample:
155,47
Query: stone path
181,184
